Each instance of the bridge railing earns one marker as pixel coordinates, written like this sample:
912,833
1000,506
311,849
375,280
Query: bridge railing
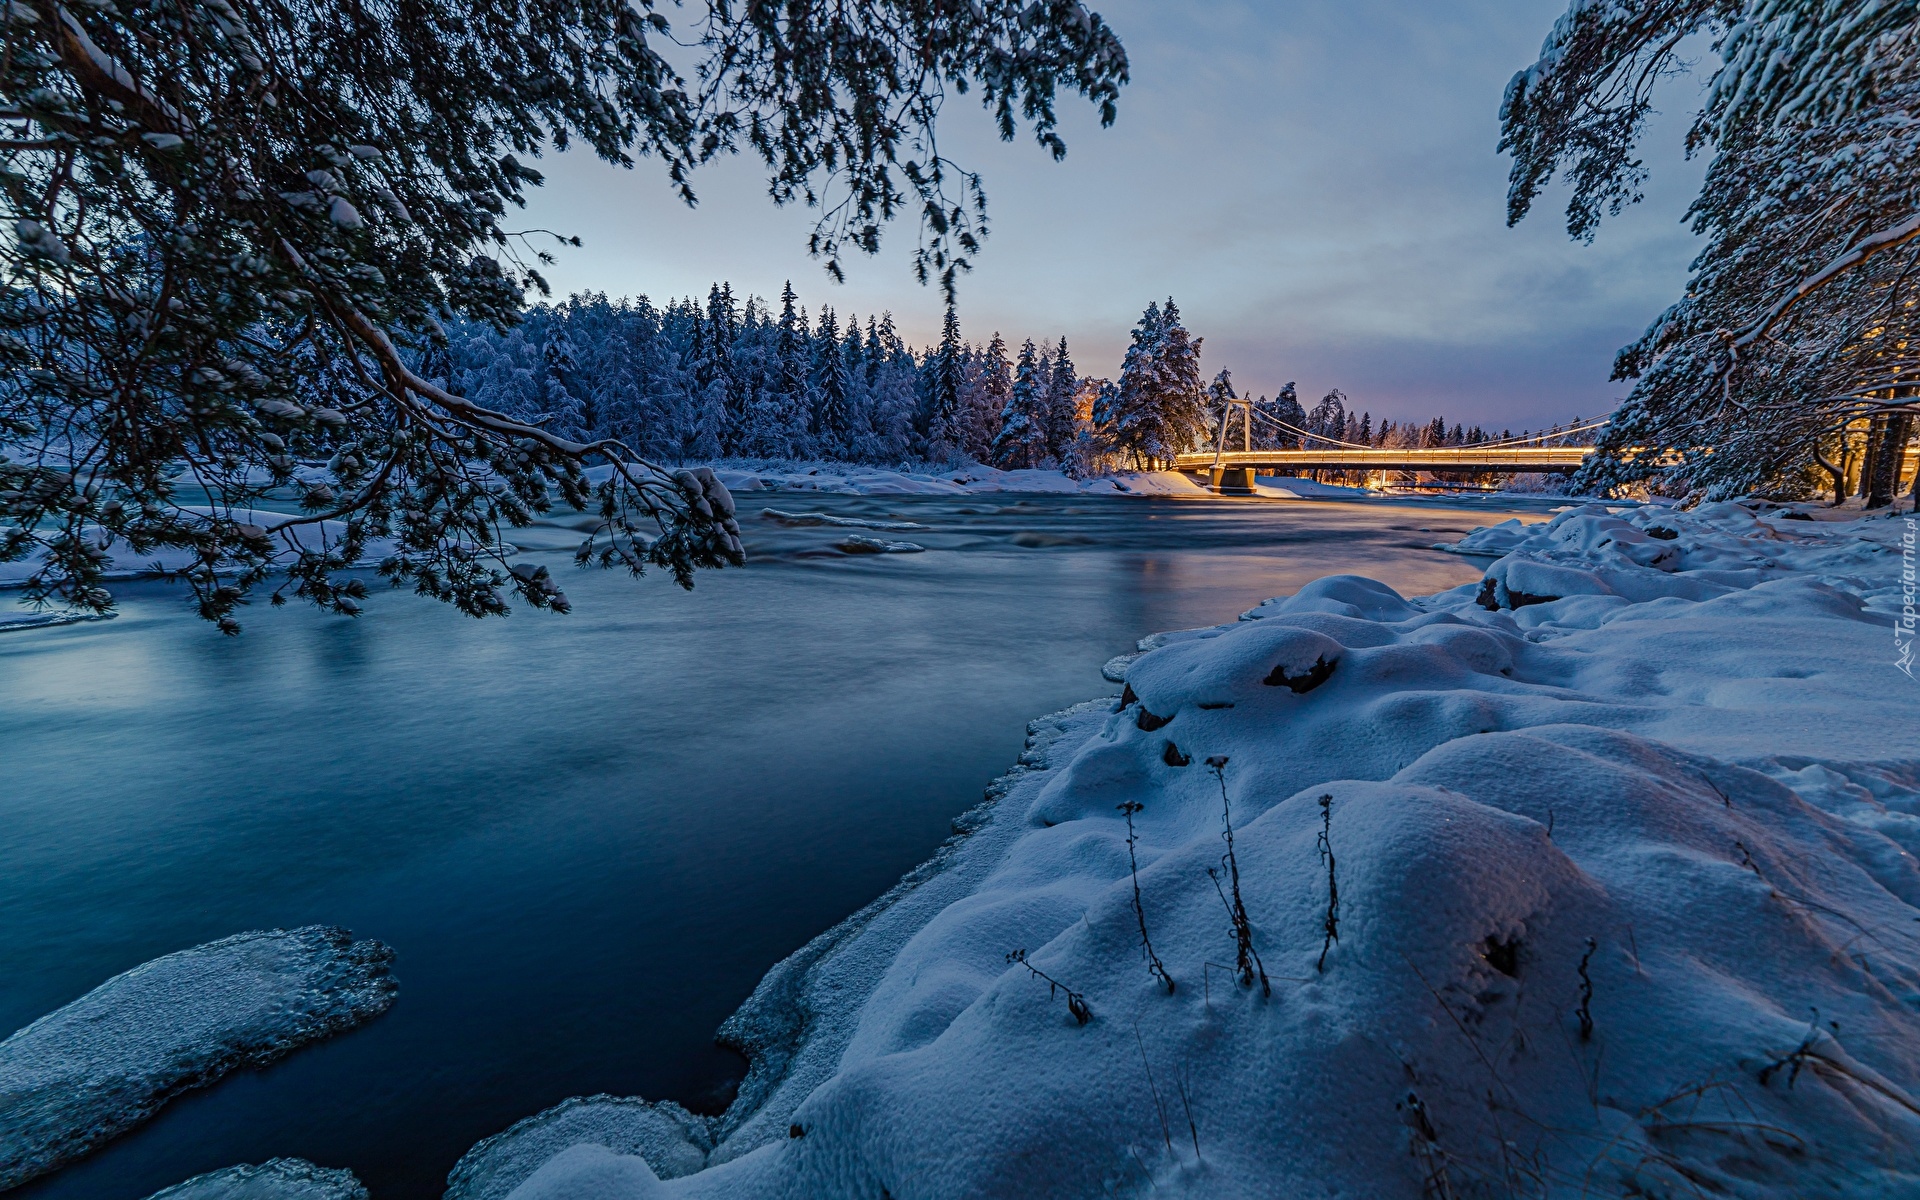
1439,458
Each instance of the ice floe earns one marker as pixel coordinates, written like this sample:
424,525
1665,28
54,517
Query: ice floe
275,1179
108,1061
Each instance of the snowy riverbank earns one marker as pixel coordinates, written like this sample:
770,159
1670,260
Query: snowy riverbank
1626,898
852,480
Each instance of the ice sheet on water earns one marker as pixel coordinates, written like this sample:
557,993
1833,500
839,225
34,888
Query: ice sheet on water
275,1179
106,1062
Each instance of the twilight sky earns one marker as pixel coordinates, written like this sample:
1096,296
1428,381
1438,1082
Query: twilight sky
1314,182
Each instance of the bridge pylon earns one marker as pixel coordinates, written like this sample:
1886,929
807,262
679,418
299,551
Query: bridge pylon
1231,481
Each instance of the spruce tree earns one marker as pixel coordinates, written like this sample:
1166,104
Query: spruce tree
1022,438
832,425
1183,394
564,411
945,406
1161,402
1220,409
1062,410
1270,433
1328,420
991,386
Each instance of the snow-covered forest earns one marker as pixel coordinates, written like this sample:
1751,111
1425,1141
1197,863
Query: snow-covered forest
744,377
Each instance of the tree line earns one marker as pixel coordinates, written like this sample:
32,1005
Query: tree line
698,381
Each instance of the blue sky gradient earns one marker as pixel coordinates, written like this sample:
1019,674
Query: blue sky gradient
1316,183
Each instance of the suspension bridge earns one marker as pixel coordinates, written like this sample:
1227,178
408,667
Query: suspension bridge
1231,472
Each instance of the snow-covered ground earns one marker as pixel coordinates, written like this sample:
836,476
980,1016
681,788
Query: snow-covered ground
110,1059
1595,878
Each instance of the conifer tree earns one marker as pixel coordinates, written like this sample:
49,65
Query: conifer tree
1220,408
1328,420
832,425
1268,431
1062,409
990,388
945,407
1160,408
563,408
1022,438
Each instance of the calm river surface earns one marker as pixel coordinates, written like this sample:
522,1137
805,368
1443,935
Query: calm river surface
587,836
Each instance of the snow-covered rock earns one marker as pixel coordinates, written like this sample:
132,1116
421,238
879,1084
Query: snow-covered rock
275,1179
1610,893
671,1140
106,1062
866,545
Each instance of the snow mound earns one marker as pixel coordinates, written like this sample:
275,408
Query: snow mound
1307,489
1646,553
275,1179
106,1062
1609,893
671,1140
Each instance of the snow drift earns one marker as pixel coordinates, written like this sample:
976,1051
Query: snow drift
1594,878
106,1062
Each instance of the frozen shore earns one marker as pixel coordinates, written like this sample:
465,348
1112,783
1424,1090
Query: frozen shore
848,479
1595,876
108,1061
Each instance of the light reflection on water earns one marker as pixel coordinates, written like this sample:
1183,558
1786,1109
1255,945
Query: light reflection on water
587,837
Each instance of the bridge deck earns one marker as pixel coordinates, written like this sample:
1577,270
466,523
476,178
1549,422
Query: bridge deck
1450,458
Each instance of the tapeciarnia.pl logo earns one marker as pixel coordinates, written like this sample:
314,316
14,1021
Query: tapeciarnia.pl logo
1903,625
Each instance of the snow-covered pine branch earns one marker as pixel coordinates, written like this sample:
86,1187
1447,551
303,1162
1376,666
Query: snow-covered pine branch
237,232
1796,320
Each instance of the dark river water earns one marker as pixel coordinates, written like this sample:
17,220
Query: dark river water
586,836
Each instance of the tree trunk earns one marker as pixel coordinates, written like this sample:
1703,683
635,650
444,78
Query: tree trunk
1838,473
1870,457
1886,459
